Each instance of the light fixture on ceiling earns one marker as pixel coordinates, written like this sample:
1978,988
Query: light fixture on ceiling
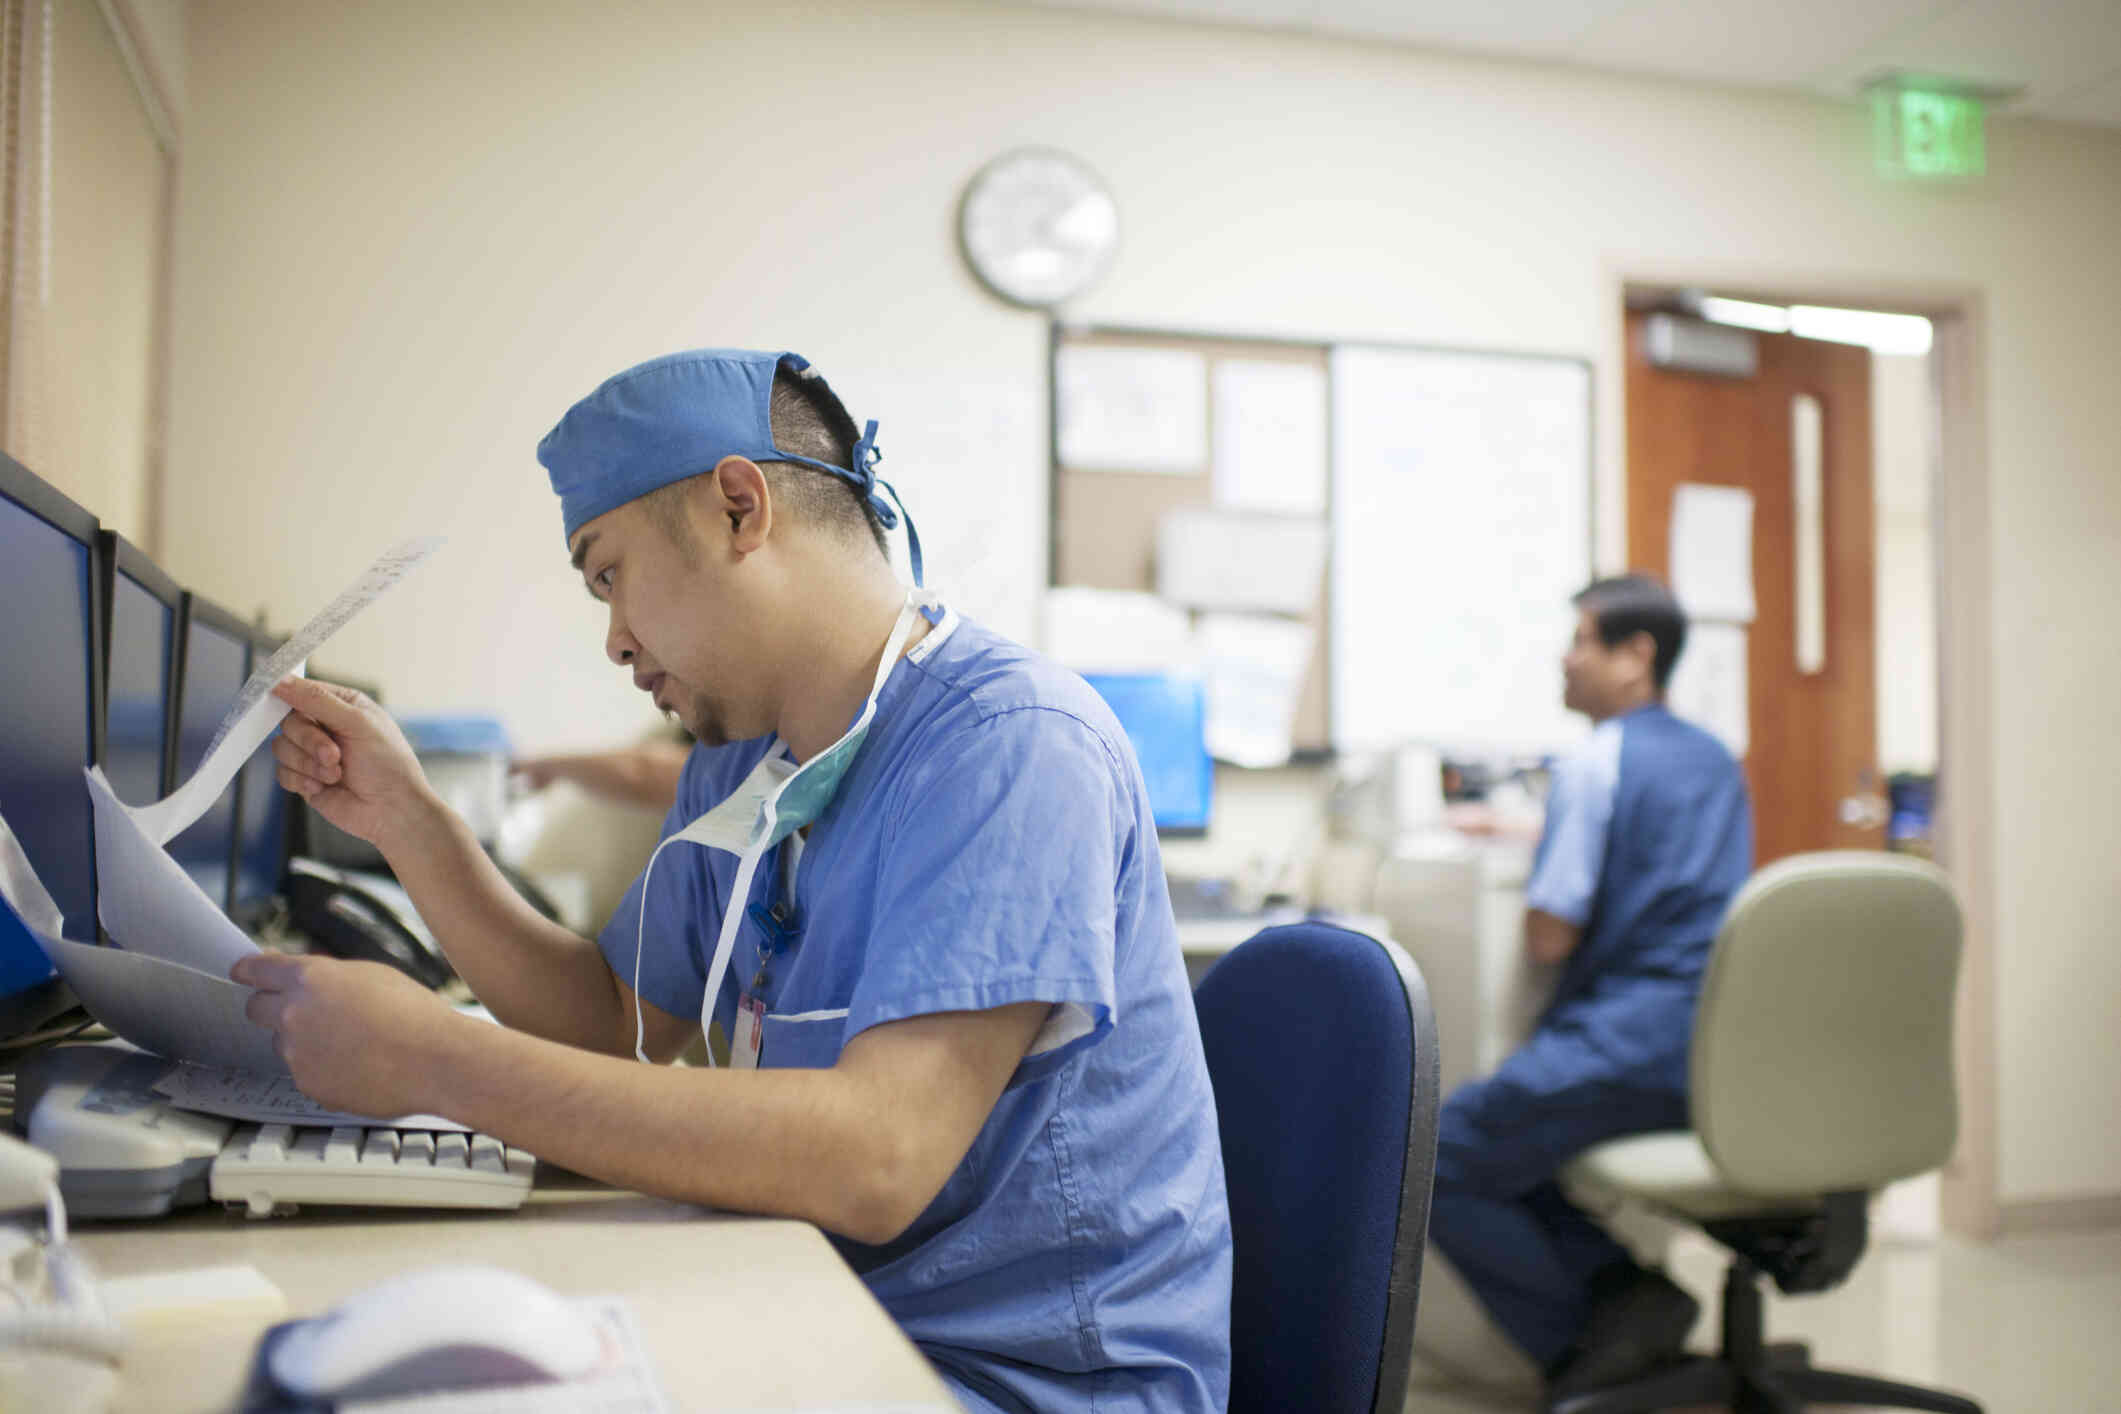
1880,333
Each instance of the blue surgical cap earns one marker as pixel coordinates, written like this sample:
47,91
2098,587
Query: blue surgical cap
678,416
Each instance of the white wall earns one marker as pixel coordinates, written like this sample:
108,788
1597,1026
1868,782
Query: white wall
409,235
1903,465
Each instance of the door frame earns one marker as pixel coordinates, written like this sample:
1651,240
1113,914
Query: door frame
1963,592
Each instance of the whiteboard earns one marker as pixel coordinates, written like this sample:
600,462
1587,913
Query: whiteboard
1461,527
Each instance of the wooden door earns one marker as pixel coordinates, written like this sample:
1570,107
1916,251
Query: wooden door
1812,765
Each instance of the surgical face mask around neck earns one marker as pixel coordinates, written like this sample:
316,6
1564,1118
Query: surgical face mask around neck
775,800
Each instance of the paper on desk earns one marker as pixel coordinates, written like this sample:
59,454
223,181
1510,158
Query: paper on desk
256,711
268,1099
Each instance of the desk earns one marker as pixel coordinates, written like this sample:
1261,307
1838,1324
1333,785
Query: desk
749,1313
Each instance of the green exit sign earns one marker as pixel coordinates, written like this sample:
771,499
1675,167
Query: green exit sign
1924,133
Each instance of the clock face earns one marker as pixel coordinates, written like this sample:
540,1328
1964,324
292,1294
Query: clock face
1037,226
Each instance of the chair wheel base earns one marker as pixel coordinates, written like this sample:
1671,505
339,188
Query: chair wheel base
1784,1383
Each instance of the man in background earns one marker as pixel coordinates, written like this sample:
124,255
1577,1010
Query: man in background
1648,836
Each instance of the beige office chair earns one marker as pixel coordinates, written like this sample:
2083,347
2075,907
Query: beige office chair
1821,1071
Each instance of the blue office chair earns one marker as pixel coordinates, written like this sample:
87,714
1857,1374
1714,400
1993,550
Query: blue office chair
1322,1051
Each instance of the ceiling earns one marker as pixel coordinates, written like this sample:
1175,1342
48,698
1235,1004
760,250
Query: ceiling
2061,58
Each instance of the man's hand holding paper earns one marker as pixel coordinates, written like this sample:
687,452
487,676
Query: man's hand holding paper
344,755
357,1036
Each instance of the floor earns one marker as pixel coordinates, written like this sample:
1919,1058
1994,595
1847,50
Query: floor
2025,1324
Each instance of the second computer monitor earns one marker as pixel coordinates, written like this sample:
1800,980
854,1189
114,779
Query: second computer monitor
261,817
214,663
141,608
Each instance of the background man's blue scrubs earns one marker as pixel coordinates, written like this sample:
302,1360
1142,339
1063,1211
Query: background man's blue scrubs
1648,835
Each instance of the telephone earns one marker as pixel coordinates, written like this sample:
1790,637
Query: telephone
363,916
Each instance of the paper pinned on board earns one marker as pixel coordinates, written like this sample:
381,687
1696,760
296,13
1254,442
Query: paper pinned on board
1254,669
1708,684
1123,409
1114,631
1270,437
1712,552
1242,561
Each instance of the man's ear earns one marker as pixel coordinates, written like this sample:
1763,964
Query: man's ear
742,502
1642,647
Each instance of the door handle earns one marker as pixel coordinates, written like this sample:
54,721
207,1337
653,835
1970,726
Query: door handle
1865,812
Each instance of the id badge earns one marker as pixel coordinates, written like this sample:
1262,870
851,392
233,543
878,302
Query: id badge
750,1033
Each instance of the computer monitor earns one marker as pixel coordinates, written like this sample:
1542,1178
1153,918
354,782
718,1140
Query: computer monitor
261,815
140,611
51,709
1165,716
210,672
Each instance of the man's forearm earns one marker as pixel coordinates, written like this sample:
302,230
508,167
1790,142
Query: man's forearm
1548,939
530,972
811,1144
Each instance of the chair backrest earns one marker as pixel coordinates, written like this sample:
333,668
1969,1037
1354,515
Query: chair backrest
1322,1051
1822,1051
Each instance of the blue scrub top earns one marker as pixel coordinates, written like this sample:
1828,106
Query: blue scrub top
1649,834
992,844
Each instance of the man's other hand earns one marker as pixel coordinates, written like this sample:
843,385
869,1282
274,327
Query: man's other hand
343,754
358,1036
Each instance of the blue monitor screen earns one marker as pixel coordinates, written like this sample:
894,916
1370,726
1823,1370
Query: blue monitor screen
46,643
143,635
214,660
262,838
1165,718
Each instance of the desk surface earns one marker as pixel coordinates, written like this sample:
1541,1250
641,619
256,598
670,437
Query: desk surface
750,1313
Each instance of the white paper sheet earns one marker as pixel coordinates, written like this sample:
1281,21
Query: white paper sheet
1270,437
164,985
256,711
148,903
1132,410
1712,552
1708,684
268,1099
1241,561
1253,665
164,1007
1114,631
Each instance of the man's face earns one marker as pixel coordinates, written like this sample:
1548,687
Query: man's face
673,623
1595,677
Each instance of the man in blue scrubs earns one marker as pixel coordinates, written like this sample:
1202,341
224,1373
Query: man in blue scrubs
1648,836
912,874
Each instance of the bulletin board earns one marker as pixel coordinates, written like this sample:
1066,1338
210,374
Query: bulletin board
1116,477
1455,488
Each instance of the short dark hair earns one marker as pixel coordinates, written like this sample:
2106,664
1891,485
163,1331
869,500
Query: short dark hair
808,421
1628,604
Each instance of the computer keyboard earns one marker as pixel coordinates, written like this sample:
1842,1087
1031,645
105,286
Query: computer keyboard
125,1151
272,1168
